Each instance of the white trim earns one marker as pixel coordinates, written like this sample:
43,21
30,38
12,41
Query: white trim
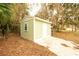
42,20
28,18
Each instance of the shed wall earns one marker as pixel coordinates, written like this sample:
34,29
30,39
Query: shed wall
29,33
41,29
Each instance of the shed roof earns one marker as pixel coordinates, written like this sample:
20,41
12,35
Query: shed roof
35,18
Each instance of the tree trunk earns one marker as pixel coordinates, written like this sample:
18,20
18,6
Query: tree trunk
72,28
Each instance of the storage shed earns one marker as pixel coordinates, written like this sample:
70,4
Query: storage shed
34,28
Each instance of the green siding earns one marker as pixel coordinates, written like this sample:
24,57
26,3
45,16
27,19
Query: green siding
35,28
29,33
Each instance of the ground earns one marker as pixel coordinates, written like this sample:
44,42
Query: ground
17,46
62,43
70,36
59,46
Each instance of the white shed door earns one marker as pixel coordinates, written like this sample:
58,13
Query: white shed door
45,30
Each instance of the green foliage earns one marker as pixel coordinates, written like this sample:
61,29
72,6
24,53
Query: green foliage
5,13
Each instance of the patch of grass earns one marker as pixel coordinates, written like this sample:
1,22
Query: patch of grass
70,36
